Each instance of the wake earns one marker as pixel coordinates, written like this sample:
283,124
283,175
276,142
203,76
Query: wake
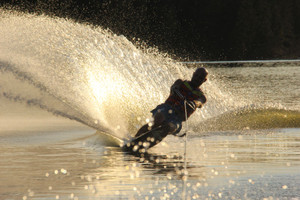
251,118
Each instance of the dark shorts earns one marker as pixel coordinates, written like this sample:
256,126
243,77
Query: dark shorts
170,115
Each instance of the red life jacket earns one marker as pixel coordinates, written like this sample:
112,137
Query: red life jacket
190,94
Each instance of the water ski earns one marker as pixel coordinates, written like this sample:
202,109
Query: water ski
140,144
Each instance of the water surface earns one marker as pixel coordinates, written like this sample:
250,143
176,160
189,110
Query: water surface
62,83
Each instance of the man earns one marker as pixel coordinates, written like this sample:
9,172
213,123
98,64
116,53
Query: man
185,97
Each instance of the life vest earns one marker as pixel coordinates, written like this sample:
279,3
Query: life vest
190,94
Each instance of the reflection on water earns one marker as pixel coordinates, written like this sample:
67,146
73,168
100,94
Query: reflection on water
221,165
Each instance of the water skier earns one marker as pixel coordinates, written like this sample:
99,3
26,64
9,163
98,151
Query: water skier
185,97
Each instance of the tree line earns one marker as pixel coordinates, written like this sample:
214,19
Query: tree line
190,29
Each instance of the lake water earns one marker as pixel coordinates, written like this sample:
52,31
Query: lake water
60,82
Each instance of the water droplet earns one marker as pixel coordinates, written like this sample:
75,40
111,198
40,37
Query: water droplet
63,171
146,144
135,148
284,187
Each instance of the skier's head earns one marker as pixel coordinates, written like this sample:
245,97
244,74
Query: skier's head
199,76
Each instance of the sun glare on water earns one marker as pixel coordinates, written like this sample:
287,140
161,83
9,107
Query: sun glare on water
108,89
